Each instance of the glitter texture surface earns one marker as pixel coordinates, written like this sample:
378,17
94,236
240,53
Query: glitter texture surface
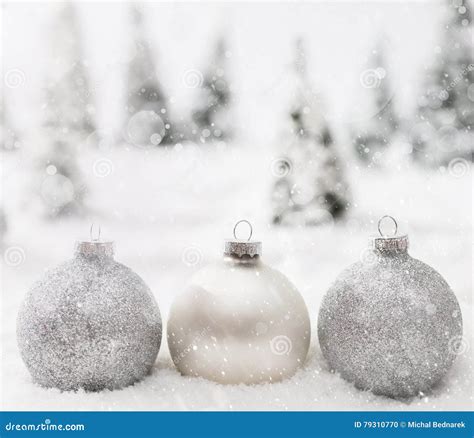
387,325
90,323
239,321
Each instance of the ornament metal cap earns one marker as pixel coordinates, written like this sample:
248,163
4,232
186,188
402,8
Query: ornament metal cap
95,246
241,248
394,243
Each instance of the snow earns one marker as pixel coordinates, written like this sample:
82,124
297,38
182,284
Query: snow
159,205
169,210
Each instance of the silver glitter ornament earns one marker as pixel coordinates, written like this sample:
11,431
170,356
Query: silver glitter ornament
239,321
89,323
389,322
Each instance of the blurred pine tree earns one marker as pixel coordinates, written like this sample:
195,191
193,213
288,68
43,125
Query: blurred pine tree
210,116
9,140
310,188
445,118
374,137
67,120
145,94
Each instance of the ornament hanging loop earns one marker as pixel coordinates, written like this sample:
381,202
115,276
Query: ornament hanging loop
250,228
394,223
91,233
94,246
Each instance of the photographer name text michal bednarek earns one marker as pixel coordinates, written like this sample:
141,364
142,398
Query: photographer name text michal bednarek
436,425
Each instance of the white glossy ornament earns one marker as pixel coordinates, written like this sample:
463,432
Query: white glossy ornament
390,323
89,323
239,321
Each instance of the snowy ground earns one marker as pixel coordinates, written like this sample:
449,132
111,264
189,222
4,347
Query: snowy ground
156,205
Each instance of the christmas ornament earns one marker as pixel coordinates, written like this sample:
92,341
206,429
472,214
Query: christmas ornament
389,321
239,321
89,323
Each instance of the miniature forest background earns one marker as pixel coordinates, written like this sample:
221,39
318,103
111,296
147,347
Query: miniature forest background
166,123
